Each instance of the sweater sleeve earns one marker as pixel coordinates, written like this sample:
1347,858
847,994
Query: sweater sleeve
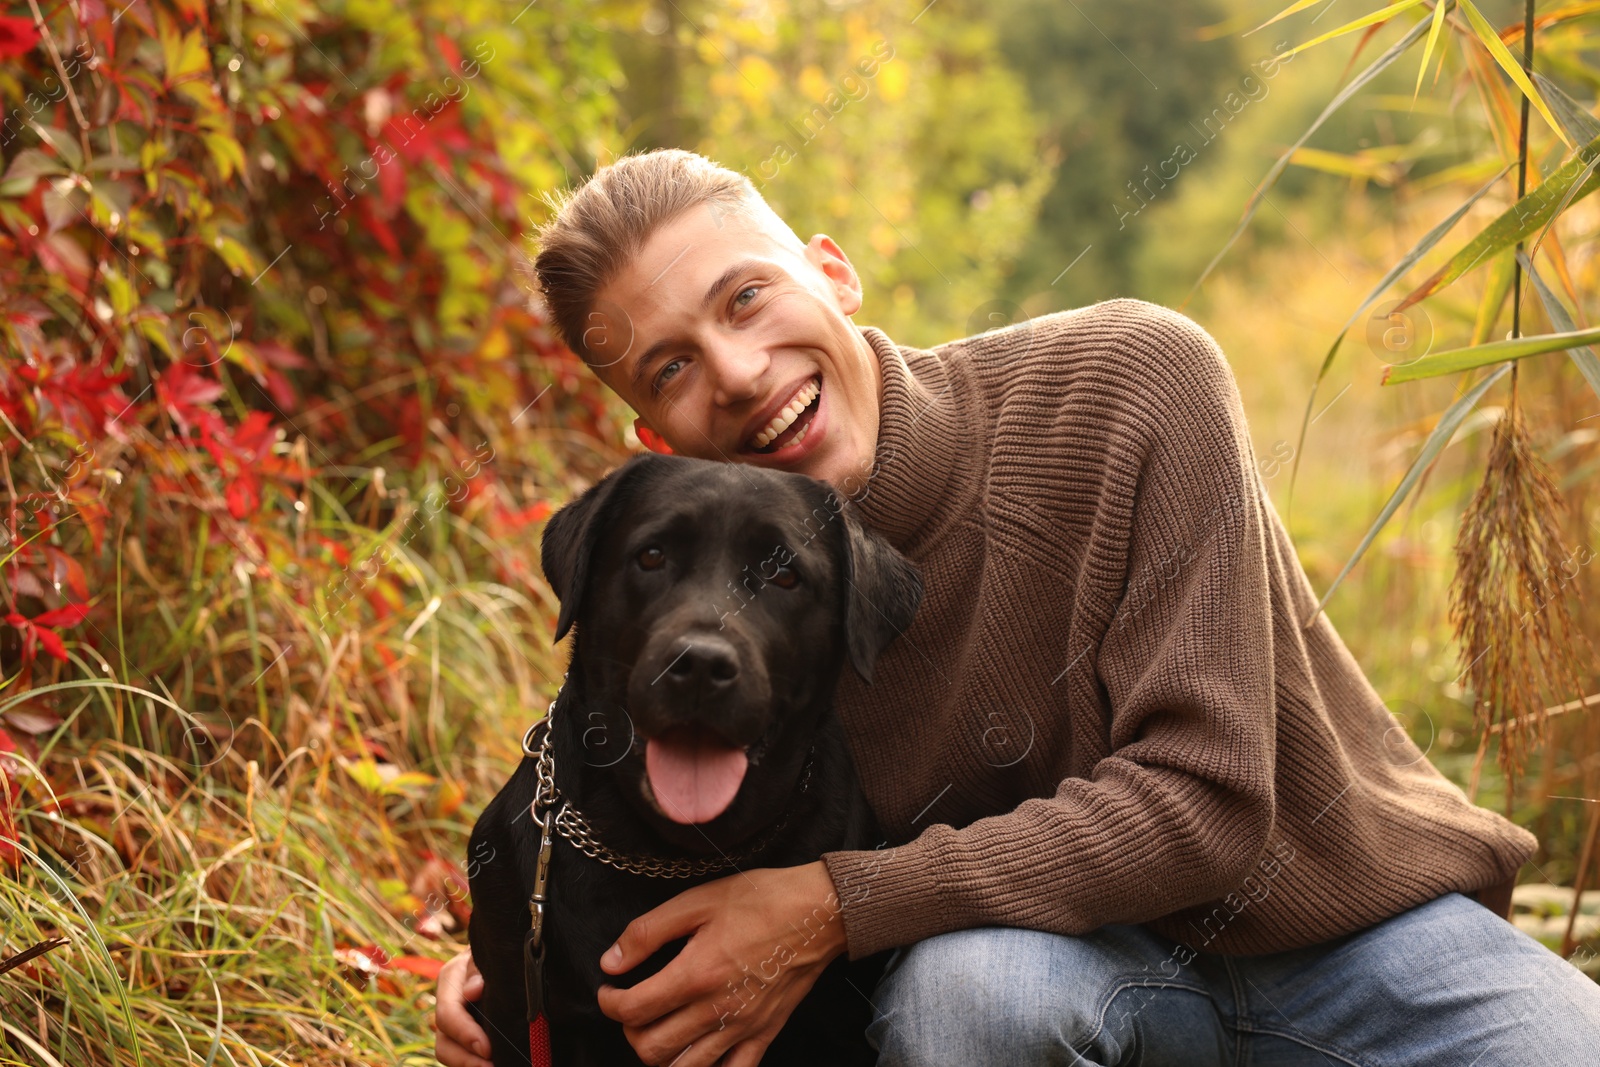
1179,810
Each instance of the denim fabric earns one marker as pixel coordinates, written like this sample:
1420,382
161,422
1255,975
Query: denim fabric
1445,983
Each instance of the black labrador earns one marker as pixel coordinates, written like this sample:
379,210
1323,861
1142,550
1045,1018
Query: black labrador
715,607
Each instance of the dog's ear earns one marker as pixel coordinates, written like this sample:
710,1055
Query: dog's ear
884,589
570,535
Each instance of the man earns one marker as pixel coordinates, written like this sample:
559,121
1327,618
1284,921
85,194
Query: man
1139,810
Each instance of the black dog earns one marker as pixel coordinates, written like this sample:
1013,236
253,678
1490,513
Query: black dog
716,605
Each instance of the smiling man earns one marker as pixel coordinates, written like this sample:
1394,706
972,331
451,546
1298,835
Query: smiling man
1138,810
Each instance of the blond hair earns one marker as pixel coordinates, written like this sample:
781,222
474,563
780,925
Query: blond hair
598,227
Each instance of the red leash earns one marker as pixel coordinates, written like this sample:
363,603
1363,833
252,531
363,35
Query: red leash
539,1042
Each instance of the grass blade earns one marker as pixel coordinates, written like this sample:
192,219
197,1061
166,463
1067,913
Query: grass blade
1431,448
1292,9
1437,364
1420,249
1378,66
100,943
1494,298
1381,15
1572,181
1433,39
1580,125
1409,260
1588,363
1502,55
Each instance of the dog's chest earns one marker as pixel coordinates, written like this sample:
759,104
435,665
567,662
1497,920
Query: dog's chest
590,905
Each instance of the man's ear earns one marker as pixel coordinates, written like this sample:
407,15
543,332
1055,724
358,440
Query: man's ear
569,538
884,590
650,439
830,259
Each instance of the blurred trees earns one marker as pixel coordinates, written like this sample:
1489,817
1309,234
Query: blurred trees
1118,84
903,135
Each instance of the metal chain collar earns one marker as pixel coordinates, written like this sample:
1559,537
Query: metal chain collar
571,824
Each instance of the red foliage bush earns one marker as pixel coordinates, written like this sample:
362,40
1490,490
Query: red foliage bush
256,269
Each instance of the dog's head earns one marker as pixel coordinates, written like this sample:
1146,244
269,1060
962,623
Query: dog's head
715,606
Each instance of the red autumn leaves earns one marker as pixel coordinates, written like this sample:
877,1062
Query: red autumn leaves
243,453
17,36
40,630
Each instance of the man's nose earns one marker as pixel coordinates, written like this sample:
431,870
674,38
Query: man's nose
736,371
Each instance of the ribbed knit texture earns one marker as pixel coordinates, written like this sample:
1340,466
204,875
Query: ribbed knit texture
1106,710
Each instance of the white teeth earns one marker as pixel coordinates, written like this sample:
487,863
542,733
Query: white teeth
786,417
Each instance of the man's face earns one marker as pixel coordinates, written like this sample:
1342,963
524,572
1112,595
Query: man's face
723,326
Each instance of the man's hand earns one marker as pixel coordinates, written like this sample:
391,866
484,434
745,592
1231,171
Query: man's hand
757,943
458,1034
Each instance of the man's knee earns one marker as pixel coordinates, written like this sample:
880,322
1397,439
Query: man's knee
990,995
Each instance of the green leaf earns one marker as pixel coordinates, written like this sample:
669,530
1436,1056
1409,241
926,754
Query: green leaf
109,164
1439,8
1381,15
1588,364
63,142
155,331
1572,181
1292,9
110,201
25,171
1436,364
238,258
364,772
1357,83
1417,251
123,297
1494,298
183,55
406,780
225,152
1441,435
1580,125
1497,48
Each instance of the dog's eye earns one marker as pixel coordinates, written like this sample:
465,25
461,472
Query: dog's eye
785,578
652,558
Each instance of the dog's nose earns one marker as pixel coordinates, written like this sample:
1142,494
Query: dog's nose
705,664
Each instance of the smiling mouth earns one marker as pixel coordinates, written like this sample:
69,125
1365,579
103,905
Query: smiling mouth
789,426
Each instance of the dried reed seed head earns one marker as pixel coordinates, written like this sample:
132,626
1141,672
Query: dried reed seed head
1511,619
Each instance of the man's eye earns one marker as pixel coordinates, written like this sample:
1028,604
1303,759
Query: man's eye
745,295
662,378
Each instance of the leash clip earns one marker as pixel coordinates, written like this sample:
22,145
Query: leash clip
547,800
533,946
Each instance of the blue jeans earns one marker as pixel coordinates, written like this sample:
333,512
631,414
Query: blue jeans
1447,983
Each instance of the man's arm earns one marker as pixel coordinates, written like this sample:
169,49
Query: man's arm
1179,811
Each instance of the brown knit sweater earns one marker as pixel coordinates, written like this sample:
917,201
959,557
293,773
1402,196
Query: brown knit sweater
1106,710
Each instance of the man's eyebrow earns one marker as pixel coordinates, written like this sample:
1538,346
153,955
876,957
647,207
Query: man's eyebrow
725,279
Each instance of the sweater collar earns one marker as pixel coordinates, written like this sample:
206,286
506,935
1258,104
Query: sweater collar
927,456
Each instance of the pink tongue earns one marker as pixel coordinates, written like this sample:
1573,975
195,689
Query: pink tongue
693,773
